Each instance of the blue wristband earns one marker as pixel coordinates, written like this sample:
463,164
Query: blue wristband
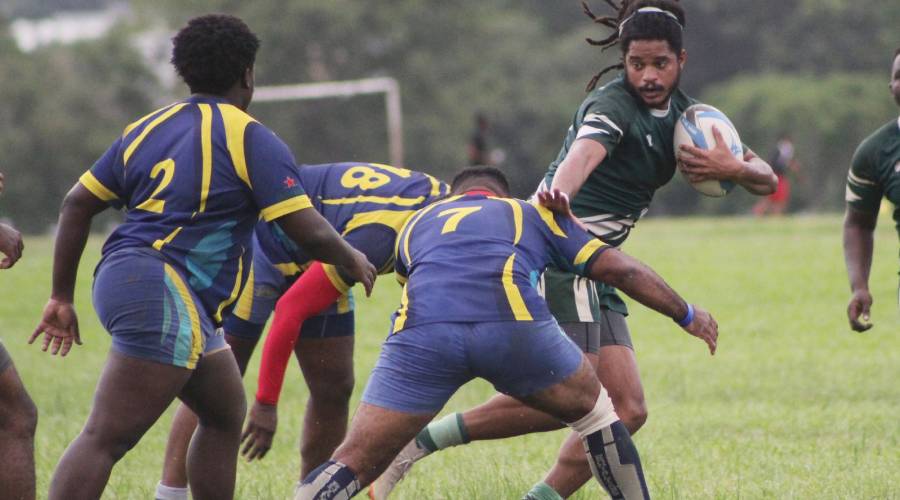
688,318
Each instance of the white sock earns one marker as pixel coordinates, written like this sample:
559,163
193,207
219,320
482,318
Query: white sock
164,492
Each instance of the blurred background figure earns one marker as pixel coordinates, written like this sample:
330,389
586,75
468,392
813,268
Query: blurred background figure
782,161
478,143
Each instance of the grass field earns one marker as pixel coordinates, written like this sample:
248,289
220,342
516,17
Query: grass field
794,405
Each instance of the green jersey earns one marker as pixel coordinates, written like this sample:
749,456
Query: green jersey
640,157
875,172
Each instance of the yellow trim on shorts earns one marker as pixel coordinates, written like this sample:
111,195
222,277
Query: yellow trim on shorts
188,300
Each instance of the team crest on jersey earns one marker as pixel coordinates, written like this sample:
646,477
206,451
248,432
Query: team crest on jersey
897,167
289,182
650,140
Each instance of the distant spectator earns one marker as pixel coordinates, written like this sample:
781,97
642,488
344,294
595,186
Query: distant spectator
478,144
782,161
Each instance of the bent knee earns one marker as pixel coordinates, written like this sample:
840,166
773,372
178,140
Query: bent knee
632,413
332,390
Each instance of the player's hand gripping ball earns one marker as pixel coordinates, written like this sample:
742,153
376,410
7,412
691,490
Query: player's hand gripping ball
695,128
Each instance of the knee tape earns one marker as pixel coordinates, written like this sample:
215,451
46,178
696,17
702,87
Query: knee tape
602,415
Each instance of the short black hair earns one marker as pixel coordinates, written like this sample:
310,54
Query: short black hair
628,25
493,174
212,52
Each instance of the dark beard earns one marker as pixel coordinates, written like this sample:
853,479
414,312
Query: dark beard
637,96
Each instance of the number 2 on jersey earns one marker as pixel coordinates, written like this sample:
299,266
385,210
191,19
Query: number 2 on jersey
456,215
151,204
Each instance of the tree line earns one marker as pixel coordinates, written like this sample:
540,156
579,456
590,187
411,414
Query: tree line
817,70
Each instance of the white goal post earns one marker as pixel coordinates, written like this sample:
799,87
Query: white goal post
348,88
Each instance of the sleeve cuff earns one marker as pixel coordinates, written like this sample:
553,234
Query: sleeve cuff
335,278
285,207
96,187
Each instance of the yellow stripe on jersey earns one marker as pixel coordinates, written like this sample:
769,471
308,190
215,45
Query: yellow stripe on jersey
399,172
334,277
96,187
394,219
435,186
412,222
520,311
206,150
547,217
285,207
587,251
517,218
236,122
384,200
234,291
244,305
288,268
149,128
401,313
158,244
188,300
134,125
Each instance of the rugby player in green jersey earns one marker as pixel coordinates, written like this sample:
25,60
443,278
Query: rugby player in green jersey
874,173
617,152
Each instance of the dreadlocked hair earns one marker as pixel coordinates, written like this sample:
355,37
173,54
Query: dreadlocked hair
627,27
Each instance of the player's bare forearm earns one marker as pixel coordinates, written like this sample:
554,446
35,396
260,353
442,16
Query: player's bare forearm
859,244
757,176
580,161
321,242
639,282
78,209
316,236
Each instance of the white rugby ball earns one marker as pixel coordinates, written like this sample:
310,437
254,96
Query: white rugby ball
694,127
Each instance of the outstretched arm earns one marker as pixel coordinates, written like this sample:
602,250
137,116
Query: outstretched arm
642,284
751,172
59,323
311,294
580,161
859,228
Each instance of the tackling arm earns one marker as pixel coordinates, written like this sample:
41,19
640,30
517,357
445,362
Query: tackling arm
859,244
645,286
580,161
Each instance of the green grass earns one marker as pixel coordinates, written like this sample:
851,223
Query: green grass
794,405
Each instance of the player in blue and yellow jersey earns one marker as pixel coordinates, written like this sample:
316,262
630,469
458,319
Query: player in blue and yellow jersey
616,153
470,309
367,203
874,175
193,177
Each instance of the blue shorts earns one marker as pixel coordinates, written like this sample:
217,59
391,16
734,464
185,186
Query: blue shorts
258,298
420,368
150,311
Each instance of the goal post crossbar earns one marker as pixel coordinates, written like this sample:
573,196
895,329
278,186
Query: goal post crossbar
347,88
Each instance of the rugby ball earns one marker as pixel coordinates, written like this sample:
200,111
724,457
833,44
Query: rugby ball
694,127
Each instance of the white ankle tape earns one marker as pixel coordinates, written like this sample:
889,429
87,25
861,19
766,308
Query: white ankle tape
602,415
